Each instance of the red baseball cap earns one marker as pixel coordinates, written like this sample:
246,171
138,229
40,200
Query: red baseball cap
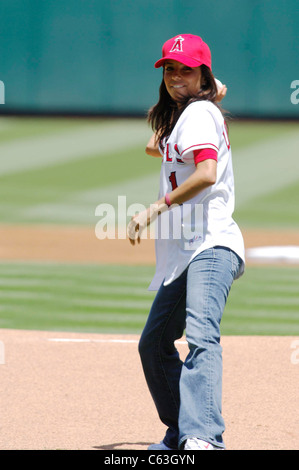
188,49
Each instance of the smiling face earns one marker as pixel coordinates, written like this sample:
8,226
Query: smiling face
181,81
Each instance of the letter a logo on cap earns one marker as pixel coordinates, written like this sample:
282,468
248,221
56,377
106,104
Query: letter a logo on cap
178,45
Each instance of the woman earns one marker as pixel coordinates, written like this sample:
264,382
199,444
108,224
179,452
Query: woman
196,265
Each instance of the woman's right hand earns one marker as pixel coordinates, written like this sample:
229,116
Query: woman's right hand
221,90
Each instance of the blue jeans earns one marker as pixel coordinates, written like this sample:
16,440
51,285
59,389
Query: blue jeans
188,394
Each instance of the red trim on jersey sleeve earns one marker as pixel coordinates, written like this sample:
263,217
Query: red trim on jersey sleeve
203,146
204,154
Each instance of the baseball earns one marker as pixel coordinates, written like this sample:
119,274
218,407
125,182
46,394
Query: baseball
218,83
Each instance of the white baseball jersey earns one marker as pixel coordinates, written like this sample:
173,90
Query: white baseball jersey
206,220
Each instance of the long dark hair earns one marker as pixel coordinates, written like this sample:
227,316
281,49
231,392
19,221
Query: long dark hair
164,115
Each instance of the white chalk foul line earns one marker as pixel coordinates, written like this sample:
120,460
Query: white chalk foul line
86,340
77,340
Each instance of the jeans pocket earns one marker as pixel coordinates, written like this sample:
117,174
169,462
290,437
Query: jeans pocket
237,264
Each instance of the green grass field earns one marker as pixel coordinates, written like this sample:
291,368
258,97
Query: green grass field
56,171
114,299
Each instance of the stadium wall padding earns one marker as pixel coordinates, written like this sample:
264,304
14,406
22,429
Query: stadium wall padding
96,56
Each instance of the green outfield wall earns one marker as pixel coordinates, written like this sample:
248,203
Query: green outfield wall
97,56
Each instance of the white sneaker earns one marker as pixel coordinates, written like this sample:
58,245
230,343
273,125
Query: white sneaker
160,446
198,444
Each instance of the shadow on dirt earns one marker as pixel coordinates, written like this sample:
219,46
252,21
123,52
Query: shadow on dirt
118,446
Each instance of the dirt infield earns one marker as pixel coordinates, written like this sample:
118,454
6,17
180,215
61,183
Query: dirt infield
79,244
87,391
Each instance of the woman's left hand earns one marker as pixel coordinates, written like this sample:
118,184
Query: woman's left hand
140,221
137,224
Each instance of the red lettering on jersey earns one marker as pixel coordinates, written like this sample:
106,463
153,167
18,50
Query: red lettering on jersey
173,181
179,160
168,157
